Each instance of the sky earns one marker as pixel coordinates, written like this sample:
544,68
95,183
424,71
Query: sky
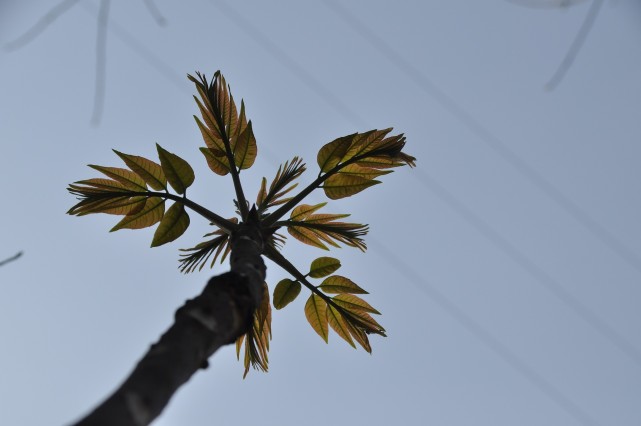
506,265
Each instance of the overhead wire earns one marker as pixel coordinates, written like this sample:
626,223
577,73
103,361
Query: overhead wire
512,359
484,134
504,353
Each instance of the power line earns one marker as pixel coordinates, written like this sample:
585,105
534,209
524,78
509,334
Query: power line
576,45
513,360
448,198
484,134
485,336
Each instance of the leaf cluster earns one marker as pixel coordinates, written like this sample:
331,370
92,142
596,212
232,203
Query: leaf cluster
348,165
333,303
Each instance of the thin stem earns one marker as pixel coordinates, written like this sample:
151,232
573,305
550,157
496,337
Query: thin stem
217,220
240,195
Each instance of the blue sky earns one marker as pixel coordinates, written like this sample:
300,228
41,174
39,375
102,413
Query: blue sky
506,265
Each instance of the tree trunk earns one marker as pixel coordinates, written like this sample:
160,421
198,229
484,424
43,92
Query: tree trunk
218,316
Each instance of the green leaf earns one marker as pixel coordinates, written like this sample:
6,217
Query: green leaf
341,185
178,172
173,224
354,303
316,313
285,292
151,214
337,284
338,324
128,178
323,266
148,170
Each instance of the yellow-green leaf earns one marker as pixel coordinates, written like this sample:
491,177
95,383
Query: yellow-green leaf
148,170
337,323
210,135
366,142
245,149
151,214
99,185
354,303
179,173
359,335
128,178
285,292
116,206
323,266
337,284
216,160
341,186
363,320
365,172
304,210
316,313
306,236
332,153
262,193
173,224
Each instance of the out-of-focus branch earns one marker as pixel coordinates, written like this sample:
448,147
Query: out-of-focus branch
11,259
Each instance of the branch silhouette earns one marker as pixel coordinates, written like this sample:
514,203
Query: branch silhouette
11,259
101,44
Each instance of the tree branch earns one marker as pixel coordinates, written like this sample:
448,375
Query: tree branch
218,316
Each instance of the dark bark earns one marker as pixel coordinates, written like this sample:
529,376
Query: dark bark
220,314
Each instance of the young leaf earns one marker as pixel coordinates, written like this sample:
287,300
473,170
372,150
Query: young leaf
304,210
97,186
178,172
361,320
173,224
197,257
122,205
337,284
345,185
285,292
286,174
128,178
224,130
216,160
353,161
359,335
317,229
257,338
323,266
148,170
338,324
244,148
151,214
331,154
354,303
316,313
